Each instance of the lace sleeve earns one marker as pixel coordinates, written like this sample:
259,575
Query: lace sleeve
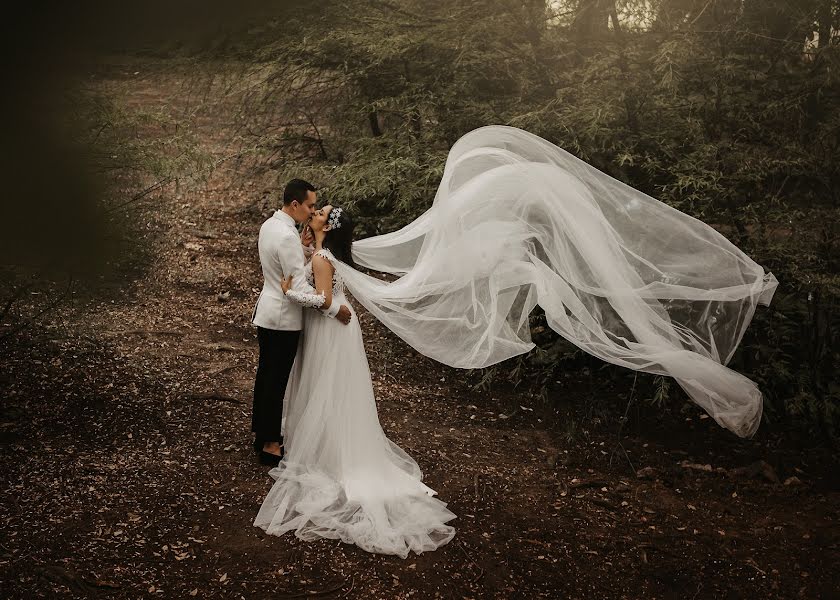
324,253
306,300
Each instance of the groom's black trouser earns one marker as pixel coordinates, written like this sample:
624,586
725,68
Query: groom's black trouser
277,355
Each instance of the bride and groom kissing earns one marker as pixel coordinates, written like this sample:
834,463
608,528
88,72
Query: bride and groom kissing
516,223
314,414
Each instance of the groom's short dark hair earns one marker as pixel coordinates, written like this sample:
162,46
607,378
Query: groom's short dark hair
297,189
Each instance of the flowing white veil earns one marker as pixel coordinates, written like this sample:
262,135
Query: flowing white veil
518,222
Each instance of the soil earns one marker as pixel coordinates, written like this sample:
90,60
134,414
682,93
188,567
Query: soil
128,471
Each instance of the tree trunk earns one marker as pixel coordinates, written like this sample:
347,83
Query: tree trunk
592,18
614,18
781,19
824,20
671,13
373,119
535,17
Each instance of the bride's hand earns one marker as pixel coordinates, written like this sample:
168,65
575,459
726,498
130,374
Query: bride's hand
286,284
307,237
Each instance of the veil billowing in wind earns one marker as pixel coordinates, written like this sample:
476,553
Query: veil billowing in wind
518,222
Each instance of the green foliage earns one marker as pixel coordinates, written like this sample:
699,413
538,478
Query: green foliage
721,109
101,159
133,153
138,145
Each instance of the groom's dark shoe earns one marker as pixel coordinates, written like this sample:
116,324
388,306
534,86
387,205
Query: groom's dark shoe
272,460
269,458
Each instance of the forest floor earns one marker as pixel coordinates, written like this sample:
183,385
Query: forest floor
128,472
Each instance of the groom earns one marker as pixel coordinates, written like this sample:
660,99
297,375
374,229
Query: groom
278,318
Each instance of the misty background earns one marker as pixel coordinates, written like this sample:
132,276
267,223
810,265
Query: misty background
728,110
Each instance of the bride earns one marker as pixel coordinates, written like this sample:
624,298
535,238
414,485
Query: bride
516,222
341,477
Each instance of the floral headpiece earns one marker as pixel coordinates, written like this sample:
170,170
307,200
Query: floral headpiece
334,220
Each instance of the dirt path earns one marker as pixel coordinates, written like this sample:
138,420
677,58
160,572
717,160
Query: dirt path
128,472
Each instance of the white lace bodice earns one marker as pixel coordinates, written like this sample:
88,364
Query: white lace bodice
338,282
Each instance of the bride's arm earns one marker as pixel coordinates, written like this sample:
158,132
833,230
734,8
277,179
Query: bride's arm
298,290
323,271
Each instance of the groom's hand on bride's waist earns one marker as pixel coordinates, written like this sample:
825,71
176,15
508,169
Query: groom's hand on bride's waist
344,314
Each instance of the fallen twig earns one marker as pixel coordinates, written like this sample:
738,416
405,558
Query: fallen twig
149,332
213,396
318,593
26,322
648,546
101,583
752,563
603,502
587,483
21,291
445,457
469,558
221,370
350,589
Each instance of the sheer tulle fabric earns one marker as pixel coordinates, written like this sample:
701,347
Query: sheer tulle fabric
518,222
342,477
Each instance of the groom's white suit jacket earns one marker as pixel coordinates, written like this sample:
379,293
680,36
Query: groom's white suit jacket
281,254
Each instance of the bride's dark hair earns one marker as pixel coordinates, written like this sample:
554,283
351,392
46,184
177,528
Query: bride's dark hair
340,241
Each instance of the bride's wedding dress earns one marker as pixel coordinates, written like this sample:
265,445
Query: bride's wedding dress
342,478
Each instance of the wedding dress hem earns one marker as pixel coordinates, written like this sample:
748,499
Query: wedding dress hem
342,478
